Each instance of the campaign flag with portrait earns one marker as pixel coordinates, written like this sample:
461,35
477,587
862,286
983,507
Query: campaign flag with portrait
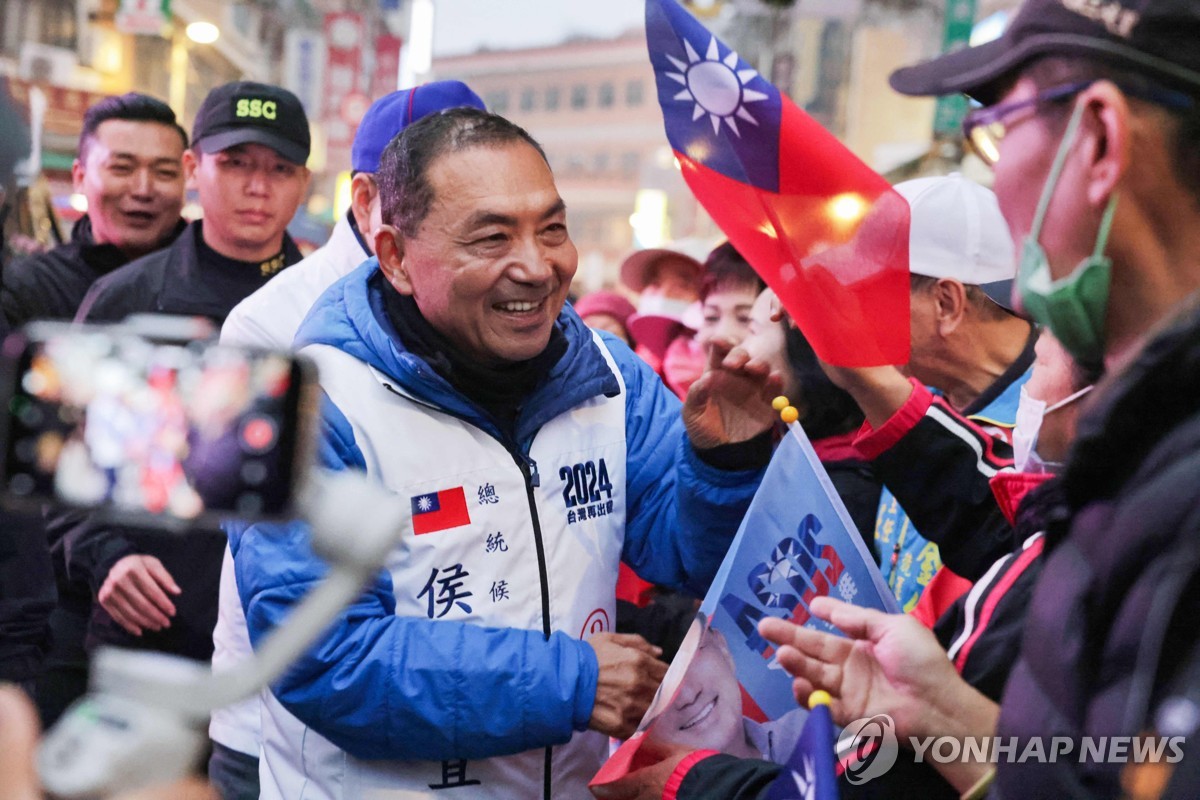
827,233
725,690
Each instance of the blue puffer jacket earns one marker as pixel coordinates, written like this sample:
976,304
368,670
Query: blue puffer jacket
388,683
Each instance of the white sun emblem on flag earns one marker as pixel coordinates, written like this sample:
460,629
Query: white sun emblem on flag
806,782
424,504
716,86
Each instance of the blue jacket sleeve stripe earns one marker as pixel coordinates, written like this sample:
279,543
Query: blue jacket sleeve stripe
336,447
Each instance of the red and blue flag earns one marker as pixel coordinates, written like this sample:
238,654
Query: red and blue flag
439,511
826,232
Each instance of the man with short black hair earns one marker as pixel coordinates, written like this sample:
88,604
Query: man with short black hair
536,453
250,143
269,318
129,169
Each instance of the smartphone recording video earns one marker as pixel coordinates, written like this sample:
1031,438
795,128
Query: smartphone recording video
103,416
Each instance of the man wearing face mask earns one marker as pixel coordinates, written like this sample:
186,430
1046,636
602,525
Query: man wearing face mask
967,659
1092,121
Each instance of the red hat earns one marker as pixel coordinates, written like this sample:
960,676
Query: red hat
659,320
605,302
636,268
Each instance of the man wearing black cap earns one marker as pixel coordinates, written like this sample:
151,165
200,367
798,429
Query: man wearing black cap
1092,124
250,142
1091,120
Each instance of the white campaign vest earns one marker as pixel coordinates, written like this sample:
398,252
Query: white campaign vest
419,452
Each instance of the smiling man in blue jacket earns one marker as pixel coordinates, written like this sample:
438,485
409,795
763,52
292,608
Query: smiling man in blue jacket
536,455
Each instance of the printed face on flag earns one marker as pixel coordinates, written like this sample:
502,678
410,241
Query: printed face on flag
700,707
827,233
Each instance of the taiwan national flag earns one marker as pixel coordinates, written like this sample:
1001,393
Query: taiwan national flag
826,233
439,511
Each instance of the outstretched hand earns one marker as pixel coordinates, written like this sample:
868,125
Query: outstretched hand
731,402
889,664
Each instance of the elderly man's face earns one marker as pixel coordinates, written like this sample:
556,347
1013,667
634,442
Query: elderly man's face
491,264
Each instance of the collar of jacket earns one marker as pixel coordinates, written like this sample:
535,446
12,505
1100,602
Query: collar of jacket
997,404
104,258
1135,410
350,316
1011,489
185,289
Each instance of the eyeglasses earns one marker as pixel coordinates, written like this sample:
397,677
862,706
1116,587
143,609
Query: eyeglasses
984,128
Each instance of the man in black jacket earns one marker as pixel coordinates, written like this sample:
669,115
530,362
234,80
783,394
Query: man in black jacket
130,170
1098,105
250,142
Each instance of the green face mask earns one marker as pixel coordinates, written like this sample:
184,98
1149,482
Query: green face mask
1074,307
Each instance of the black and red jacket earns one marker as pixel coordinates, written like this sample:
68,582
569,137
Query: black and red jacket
988,521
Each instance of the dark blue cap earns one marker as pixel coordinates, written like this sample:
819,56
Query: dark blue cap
389,115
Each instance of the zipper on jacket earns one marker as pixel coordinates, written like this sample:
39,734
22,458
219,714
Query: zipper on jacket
530,472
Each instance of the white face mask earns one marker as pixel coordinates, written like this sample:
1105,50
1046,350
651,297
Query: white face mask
1030,413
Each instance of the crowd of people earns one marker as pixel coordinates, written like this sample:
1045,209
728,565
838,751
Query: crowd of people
578,466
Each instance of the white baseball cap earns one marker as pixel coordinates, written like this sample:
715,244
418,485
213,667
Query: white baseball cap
957,231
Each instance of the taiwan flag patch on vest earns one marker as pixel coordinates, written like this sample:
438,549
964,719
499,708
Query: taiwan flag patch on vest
439,511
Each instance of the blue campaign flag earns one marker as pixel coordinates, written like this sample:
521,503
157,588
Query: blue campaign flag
725,689
796,542
810,773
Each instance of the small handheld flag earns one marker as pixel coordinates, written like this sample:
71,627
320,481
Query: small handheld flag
796,543
825,232
810,773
